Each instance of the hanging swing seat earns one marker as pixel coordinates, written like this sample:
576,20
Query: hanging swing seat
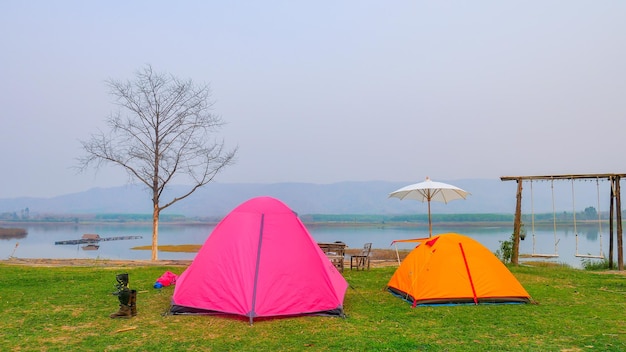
601,255
548,255
578,255
556,241
590,256
535,255
538,255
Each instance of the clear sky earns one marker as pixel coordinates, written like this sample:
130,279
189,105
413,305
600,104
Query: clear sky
326,91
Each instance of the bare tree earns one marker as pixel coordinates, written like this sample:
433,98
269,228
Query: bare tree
161,133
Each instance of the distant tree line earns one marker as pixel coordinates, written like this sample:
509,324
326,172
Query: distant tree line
76,218
23,214
589,214
406,218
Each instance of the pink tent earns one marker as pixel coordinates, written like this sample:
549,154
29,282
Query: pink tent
260,261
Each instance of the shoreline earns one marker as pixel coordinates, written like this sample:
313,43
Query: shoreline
379,258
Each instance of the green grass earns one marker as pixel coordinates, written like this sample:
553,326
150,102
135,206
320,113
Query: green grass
67,309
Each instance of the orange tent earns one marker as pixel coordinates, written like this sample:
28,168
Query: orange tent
454,269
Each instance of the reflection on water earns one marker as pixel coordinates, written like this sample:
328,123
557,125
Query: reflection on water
41,238
39,243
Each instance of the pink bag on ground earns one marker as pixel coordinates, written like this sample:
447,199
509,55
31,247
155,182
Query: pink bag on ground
168,278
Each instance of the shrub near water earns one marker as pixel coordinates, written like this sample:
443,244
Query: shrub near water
505,252
595,264
67,308
11,232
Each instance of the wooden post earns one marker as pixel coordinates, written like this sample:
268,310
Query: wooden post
611,214
517,223
618,206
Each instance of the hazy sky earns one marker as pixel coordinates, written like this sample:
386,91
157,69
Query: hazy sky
326,91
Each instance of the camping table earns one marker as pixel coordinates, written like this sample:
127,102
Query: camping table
335,252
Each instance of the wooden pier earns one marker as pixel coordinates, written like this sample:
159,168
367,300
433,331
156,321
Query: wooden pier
94,239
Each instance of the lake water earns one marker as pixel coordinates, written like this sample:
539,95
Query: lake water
39,242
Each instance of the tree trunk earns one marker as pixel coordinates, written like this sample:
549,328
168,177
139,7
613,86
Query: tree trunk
155,232
517,224
618,208
611,214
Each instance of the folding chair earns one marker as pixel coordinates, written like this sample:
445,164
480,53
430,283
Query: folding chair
362,260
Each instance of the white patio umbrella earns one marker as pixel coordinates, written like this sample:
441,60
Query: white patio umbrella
428,191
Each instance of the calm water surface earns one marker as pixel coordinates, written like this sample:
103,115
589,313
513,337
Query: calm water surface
39,242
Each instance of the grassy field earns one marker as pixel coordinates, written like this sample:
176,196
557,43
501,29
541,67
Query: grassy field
67,308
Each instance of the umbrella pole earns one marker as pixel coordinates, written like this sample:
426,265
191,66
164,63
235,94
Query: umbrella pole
430,224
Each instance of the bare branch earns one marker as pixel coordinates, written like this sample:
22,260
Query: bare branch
161,134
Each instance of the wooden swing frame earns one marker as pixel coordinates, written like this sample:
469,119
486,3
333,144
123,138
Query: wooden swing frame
615,210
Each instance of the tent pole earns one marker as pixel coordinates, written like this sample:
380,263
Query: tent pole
469,273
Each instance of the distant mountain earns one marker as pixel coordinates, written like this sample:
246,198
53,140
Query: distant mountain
218,199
